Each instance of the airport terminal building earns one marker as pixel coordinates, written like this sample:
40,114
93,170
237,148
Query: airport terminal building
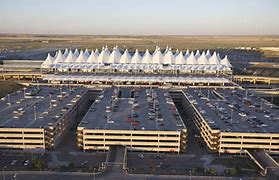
159,67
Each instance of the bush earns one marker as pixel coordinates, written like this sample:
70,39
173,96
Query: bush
231,171
212,171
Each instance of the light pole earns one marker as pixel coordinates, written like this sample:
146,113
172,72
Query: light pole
94,173
3,171
9,100
190,174
15,176
24,92
35,114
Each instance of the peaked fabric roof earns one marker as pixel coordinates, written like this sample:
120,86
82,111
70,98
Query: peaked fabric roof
214,59
81,58
176,52
56,53
169,58
60,58
70,58
92,58
226,62
191,59
147,57
49,60
187,54
203,59
166,50
115,56
197,55
208,55
86,53
136,58
66,52
104,56
97,52
180,59
157,57
76,53
125,58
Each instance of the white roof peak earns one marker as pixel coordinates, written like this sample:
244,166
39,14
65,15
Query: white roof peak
70,58
59,58
126,57
179,59
136,57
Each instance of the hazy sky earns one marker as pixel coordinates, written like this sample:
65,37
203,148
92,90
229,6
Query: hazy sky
140,17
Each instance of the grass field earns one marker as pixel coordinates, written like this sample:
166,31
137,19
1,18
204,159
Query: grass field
22,42
8,87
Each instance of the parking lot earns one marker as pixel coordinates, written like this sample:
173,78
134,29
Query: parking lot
22,162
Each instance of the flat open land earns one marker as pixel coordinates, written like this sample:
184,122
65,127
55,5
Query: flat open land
23,42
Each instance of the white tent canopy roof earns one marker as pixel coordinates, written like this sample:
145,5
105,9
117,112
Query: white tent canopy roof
147,57
226,62
115,56
76,53
157,57
97,52
104,56
147,61
166,50
208,55
214,59
169,58
93,58
66,52
176,52
49,60
203,59
187,54
70,58
180,59
81,58
197,55
59,58
86,53
136,58
191,59
125,58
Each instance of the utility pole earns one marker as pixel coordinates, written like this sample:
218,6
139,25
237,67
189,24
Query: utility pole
35,114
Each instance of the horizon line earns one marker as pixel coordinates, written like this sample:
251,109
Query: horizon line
132,35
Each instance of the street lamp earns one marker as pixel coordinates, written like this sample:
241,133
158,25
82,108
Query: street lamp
24,92
190,172
9,100
35,115
15,176
3,171
94,173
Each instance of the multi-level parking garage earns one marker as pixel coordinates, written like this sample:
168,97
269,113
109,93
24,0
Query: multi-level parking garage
233,121
38,117
140,119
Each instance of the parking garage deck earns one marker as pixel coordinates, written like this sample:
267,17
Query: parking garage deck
136,111
235,110
141,119
38,107
233,121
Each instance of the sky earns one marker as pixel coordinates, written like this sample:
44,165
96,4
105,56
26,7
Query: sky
140,17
